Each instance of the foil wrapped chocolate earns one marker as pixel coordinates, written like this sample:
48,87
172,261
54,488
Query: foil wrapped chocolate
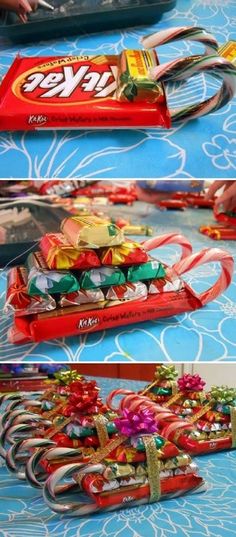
146,271
42,281
91,232
127,291
18,300
134,82
59,253
83,296
129,253
101,277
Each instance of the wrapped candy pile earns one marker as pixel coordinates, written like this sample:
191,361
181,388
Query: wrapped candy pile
69,286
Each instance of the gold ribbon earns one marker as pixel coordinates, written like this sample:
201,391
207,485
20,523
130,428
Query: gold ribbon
173,399
100,424
153,468
200,413
233,425
59,427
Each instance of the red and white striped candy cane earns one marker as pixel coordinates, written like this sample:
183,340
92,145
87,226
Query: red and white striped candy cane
169,238
184,68
207,256
189,33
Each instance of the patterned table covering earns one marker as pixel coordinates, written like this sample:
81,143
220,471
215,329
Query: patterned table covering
207,334
201,148
209,514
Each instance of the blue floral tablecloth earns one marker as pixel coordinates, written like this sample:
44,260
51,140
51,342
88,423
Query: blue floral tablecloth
201,148
207,334
209,514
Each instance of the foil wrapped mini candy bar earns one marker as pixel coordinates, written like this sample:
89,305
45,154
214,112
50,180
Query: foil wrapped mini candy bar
101,277
83,296
17,298
134,83
42,281
127,253
165,285
146,271
59,253
127,291
91,232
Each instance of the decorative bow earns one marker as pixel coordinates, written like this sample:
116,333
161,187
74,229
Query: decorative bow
84,398
166,372
66,377
223,394
131,424
192,383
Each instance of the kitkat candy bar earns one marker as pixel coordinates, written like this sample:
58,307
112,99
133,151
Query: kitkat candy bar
134,82
127,253
72,92
59,253
146,271
41,280
18,300
101,277
91,232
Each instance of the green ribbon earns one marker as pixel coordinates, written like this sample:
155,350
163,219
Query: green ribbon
223,394
166,372
66,377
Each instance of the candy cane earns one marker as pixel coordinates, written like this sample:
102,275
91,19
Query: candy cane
15,463
169,35
182,69
207,256
169,238
52,489
32,472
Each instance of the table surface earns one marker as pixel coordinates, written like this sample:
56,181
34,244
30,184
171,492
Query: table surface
209,514
201,148
207,334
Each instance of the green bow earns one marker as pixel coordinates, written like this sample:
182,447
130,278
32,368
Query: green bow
166,372
223,394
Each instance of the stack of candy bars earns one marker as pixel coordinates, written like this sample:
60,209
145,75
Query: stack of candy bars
204,422
88,266
137,466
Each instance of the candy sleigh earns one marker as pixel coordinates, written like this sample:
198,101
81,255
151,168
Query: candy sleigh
167,295
137,466
111,91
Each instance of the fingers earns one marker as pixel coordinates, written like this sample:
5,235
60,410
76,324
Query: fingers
228,198
214,188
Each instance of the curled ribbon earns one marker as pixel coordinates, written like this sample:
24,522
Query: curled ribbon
166,372
66,377
192,383
223,394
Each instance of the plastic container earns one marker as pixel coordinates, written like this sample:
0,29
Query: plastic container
77,17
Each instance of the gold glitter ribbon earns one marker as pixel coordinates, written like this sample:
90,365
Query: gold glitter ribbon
233,425
100,424
153,468
59,427
200,413
173,399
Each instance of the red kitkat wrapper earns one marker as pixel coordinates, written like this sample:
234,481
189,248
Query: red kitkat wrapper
173,485
60,254
72,92
71,321
129,253
17,298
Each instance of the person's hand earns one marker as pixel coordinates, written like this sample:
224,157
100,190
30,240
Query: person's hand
21,7
226,200
150,196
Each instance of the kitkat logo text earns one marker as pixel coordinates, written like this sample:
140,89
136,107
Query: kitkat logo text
72,82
